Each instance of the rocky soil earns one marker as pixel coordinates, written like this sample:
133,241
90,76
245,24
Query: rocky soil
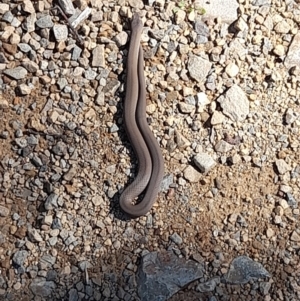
223,101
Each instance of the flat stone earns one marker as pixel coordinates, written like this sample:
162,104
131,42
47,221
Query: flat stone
224,9
201,28
243,269
217,118
4,7
16,73
60,32
176,238
4,211
209,285
28,7
181,141
295,236
44,22
24,89
232,69
198,68
51,201
40,287
90,74
24,47
29,24
21,142
293,56
67,6
204,162
282,27
136,3
121,38
282,166
235,103
34,235
191,174
19,257
98,56
223,146
70,174
161,275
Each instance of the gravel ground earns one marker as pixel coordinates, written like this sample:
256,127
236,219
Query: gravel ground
223,101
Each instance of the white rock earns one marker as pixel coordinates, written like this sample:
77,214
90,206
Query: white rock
204,162
232,69
235,103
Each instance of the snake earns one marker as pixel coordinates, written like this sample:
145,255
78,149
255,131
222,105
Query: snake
150,160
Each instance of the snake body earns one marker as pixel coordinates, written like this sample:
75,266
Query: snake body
150,160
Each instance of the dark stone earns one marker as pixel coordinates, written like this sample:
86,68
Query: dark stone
161,275
243,269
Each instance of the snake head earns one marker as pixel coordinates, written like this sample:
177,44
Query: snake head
136,22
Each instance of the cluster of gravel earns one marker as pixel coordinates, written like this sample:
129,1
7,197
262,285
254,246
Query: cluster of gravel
223,101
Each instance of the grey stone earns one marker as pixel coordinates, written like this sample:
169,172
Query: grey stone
282,166
4,211
29,24
235,103
204,162
293,56
161,275
28,7
73,295
166,182
51,201
243,269
8,17
61,82
209,285
98,56
90,74
34,235
291,200
24,89
198,68
44,22
60,32
191,174
3,59
121,38
261,2
19,257
83,265
176,238
40,287
47,261
24,47
223,146
201,28
60,148
76,53
32,140
114,128
21,142
4,7
67,6
16,73
77,19
31,66
70,174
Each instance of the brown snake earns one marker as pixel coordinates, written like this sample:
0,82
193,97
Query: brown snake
150,160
